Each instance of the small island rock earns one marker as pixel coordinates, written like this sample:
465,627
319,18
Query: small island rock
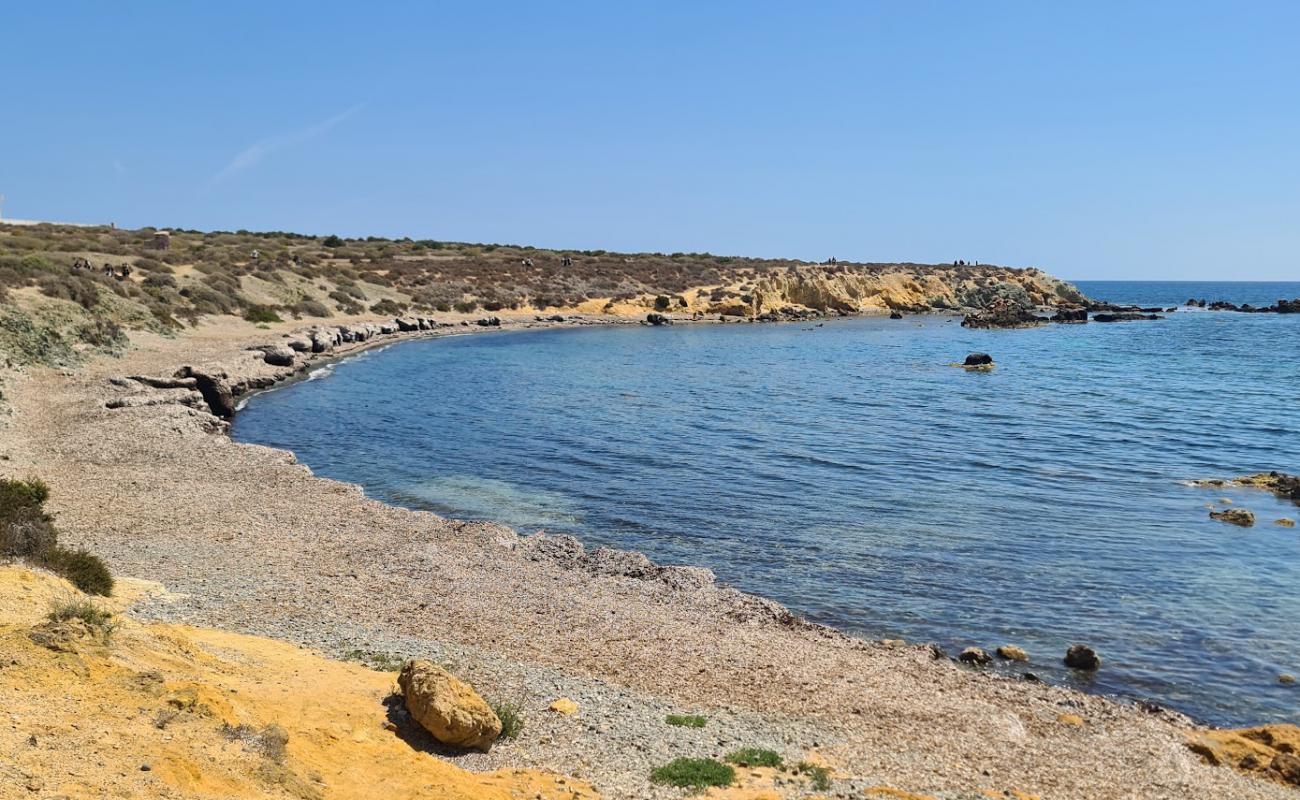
1082,657
1235,516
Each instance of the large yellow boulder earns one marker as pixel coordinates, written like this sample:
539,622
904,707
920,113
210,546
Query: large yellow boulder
1268,751
448,707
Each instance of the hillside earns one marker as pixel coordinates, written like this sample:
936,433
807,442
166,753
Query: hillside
63,289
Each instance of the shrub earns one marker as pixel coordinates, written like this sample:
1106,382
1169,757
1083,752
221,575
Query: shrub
261,314
312,308
332,241
755,757
512,718
686,720
465,306
25,532
819,776
662,302
97,619
31,493
694,773
387,307
103,334
84,570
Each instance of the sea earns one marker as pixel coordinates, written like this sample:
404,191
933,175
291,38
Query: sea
849,471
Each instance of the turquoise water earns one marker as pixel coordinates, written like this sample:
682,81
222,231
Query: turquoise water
848,472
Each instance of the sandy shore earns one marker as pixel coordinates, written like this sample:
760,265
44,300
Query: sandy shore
257,544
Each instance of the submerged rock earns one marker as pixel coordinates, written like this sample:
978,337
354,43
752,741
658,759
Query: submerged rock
1070,315
1082,657
447,707
1284,522
1235,516
974,655
1126,316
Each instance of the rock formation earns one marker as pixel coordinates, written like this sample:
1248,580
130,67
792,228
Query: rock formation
447,707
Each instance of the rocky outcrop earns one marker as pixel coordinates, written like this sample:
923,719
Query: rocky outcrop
214,385
1271,752
1070,315
1003,314
1280,307
1125,316
447,707
1235,516
658,319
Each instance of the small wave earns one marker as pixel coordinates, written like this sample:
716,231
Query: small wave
321,372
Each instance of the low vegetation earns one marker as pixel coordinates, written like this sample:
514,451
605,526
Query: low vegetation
694,773
99,621
755,757
819,777
511,716
686,720
27,532
378,661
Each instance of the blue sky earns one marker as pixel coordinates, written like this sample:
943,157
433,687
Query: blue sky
1096,140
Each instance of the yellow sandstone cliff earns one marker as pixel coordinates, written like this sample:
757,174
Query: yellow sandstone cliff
157,710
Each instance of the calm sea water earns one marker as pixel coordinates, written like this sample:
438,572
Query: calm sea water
848,472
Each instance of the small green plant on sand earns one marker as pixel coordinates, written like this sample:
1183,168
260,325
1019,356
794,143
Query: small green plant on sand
99,621
819,777
378,661
755,757
511,716
694,773
686,720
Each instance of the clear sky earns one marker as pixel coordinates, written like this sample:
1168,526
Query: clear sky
1096,140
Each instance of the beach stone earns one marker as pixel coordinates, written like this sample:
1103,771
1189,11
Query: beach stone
1010,652
447,707
278,356
974,655
1081,656
1235,516
564,706
978,360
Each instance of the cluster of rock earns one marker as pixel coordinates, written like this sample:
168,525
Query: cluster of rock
1080,656
1003,313
1281,307
1271,752
1281,484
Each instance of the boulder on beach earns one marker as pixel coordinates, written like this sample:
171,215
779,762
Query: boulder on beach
1082,657
1266,751
1235,516
658,319
214,385
974,655
447,707
278,356
1009,652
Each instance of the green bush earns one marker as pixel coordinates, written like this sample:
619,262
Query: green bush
755,757
83,569
387,307
662,302
686,720
261,314
819,776
96,618
694,773
332,241
31,493
25,532
312,308
512,718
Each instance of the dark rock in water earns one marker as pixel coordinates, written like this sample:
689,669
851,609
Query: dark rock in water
1082,657
978,360
974,655
1235,516
658,319
1125,316
1031,677
215,388
1070,315
1010,652
895,315
1003,314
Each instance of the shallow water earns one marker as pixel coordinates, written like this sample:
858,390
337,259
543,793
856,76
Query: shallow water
847,471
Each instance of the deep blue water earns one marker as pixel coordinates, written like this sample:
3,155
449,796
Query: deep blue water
848,472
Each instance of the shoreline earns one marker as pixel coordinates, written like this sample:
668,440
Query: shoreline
813,679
